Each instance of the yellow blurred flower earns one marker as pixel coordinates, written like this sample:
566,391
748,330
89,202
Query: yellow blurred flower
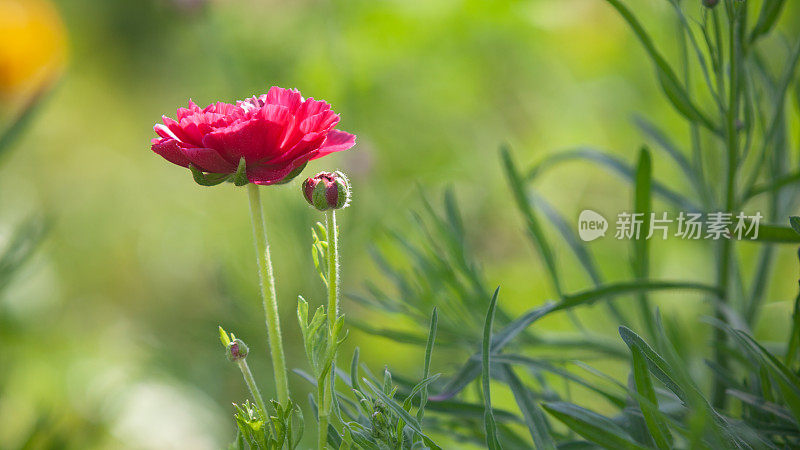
32,44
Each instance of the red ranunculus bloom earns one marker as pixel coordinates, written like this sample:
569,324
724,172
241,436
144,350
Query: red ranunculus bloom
276,133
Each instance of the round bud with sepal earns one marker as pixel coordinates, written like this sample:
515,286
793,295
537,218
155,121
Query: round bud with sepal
327,190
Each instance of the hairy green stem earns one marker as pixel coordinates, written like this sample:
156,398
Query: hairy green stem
268,296
251,384
324,400
333,267
323,408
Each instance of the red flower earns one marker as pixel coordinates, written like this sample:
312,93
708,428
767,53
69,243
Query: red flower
276,134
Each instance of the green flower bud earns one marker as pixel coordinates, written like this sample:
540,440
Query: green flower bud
327,190
237,350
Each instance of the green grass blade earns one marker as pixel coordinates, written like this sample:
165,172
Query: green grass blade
531,221
777,234
592,426
578,248
657,365
670,83
488,416
354,370
590,296
410,421
650,130
770,12
541,365
533,414
423,396
472,368
643,204
656,424
12,132
615,165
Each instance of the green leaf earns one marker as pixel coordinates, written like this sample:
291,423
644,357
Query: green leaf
426,368
590,296
541,365
224,338
777,234
240,177
770,12
10,135
354,370
207,179
535,230
672,87
534,417
794,221
616,165
658,366
788,382
488,416
578,248
665,143
642,204
472,369
592,426
656,424
410,421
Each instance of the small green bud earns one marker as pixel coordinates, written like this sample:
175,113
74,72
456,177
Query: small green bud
327,190
236,351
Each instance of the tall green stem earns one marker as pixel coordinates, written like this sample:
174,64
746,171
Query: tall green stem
726,245
268,296
323,394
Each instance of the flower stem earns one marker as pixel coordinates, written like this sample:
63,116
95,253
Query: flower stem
324,406
251,384
324,400
333,268
268,297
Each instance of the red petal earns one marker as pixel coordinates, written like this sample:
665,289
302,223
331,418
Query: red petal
171,151
336,141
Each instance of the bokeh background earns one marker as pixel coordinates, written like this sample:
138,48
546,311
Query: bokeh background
109,334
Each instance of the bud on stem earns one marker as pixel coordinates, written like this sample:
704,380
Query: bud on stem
327,190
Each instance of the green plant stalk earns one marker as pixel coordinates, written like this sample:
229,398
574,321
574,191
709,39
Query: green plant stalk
324,400
726,245
268,297
323,408
251,384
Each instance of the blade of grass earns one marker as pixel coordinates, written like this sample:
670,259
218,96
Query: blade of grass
670,84
617,166
592,426
471,369
643,205
656,424
423,396
488,416
770,12
534,417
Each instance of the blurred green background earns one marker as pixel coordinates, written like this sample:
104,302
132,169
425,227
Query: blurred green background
110,332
